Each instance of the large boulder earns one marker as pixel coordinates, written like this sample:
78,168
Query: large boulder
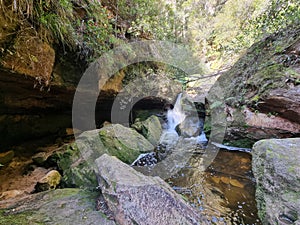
150,128
276,167
123,142
261,91
77,160
61,206
137,199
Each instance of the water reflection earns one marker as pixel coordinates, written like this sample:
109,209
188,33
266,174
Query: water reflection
225,192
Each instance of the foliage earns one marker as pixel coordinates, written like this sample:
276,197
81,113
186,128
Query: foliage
278,16
146,19
221,30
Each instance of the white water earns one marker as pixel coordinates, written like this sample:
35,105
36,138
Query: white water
176,115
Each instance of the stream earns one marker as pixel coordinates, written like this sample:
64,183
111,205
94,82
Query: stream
224,192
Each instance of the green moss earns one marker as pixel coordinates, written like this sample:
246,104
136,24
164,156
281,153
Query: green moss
66,192
242,143
18,219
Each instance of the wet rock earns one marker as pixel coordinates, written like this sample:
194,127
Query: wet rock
137,199
61,206
169,139
190,127
151,129
6,157
50,181
277,172
257,125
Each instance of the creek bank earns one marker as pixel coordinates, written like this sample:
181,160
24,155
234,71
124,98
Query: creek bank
261,91
277,172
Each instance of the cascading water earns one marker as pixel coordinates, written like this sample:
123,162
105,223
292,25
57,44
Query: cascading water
176,115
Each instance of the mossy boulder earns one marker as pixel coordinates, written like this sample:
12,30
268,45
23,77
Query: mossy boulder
123,142
276,167
77,160
61,206
150,128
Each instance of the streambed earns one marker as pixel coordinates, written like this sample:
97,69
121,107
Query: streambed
224,192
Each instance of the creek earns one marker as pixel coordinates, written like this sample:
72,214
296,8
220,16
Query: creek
225,191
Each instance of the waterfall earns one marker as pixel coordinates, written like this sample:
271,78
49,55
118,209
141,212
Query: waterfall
176,115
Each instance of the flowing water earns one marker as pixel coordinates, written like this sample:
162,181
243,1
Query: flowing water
176,115
225,191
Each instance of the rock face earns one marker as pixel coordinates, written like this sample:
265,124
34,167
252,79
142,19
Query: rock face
77,160
261,91
30,56
150,128
276,166
137,199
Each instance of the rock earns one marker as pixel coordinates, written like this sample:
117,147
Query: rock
124,143
77,160
6,157
276,167
150,128
137,199
190,127
76,164
10,194
285,103
30,56
261,90
40,158
49,181
169,139
256,125
61,206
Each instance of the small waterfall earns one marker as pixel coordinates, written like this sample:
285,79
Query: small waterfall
176,115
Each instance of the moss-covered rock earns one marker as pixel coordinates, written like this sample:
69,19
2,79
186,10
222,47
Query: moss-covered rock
124,143
77,160
61,206
150,128
277,172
